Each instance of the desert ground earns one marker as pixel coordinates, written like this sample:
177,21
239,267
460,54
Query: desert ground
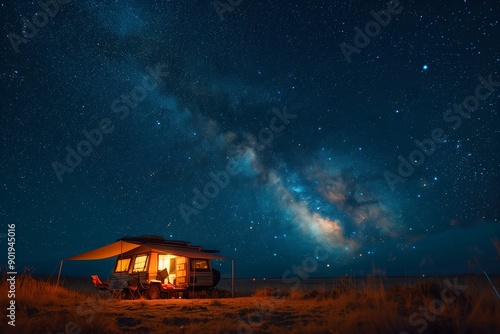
437,305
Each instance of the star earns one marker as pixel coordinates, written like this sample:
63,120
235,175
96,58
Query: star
280,145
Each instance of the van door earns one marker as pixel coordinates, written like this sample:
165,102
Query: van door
181,271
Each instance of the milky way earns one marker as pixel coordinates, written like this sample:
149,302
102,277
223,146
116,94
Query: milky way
253,134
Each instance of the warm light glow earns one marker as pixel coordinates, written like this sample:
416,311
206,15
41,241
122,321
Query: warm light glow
140,263
122,265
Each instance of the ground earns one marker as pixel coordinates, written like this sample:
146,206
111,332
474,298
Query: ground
429,307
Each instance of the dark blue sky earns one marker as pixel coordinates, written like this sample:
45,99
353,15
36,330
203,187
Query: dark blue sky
264,134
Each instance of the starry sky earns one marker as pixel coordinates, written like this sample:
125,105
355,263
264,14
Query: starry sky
261,129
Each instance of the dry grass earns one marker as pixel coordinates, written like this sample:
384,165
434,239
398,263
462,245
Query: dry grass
343,307
43,307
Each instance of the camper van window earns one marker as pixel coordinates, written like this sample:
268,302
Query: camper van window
122,265
200,264
140,263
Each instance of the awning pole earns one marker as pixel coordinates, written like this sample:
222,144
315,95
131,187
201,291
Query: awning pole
194,274
232,278
59,274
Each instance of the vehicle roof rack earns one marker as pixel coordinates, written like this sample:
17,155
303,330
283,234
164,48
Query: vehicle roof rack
156,239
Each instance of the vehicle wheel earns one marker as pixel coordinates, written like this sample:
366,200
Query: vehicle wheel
153,292
216,275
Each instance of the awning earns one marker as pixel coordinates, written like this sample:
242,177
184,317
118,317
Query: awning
191,253
121,247
105,252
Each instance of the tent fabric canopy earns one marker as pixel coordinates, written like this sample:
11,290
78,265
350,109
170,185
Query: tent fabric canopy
191,253
105,252
121,247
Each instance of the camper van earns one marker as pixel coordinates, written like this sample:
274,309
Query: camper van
159,268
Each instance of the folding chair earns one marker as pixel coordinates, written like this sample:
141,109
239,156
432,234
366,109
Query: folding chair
166,287
101,288
162,274
134,287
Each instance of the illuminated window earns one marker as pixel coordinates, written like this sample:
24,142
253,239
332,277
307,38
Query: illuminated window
140,263
200,264
122,265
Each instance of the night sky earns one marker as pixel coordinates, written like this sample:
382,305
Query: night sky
261,129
